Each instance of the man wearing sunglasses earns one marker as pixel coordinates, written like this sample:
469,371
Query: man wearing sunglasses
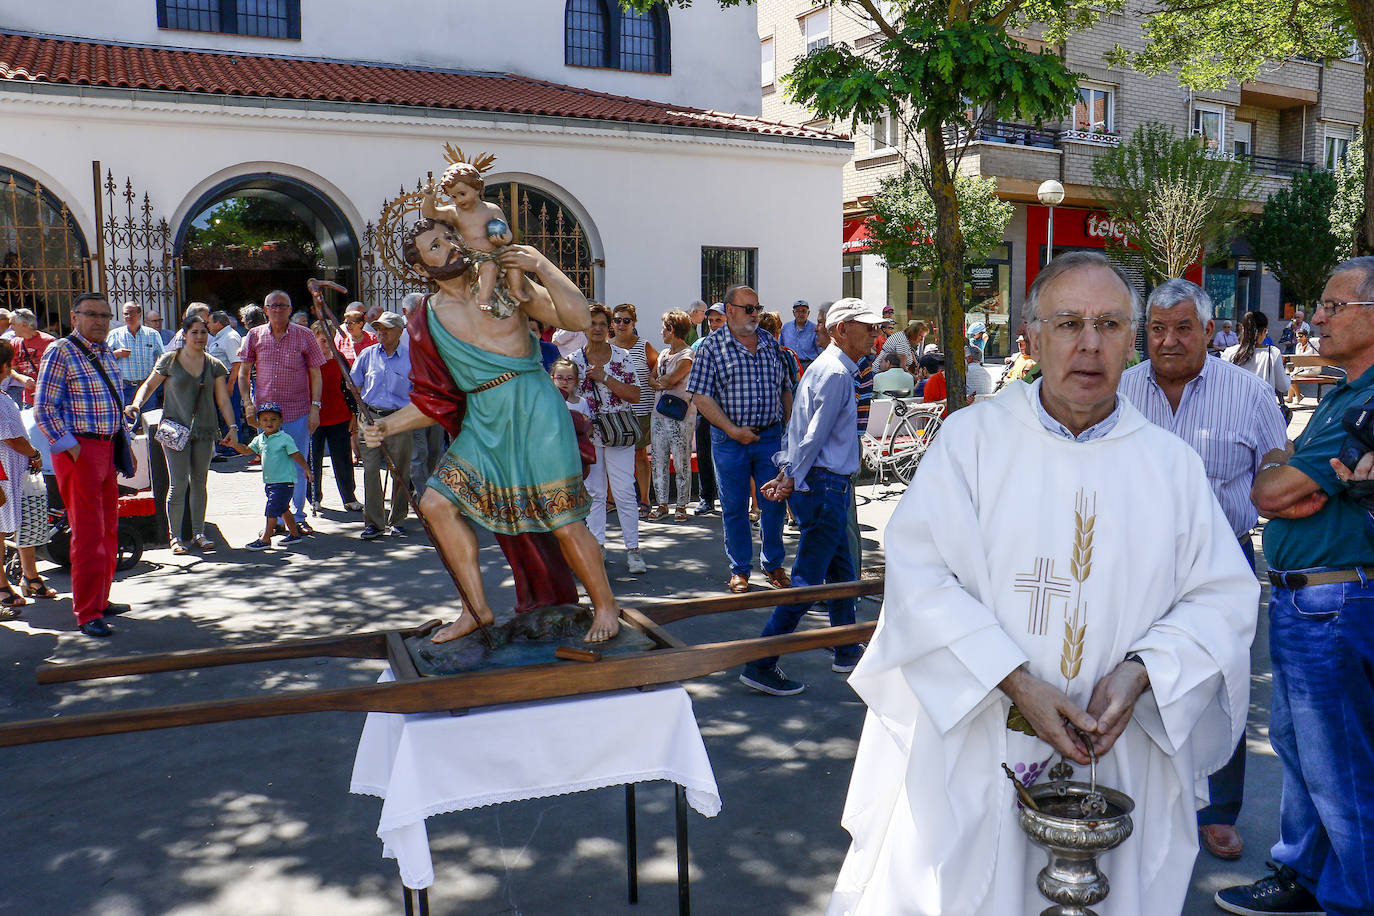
741,386
353,336
1321,632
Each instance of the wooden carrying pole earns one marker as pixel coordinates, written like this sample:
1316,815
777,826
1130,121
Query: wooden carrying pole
364,415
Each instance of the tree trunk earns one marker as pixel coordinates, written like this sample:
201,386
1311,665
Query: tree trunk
949,282
1362,15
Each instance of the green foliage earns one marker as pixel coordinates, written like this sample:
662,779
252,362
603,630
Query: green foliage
1213,190
1293,235
241,230
930,74
902,209
1349,203
1217,42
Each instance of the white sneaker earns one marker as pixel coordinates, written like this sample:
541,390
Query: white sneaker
635,562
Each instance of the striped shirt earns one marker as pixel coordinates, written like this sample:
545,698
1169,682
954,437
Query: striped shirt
1228,415
640,362
747,386
71,398
1096,431
145,346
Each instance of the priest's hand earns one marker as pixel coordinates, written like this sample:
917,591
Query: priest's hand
1113,702
1049,711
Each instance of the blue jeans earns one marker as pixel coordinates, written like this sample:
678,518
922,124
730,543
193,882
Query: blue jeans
823,555
298,430
1321,638
735,464
1226,787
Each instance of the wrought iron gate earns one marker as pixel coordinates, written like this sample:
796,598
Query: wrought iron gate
377,285
538,219
44,262
135,250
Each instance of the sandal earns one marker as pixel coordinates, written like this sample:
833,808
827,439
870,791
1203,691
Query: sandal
681,514
37,588
203,543
305,527
12,599
657,512
179,549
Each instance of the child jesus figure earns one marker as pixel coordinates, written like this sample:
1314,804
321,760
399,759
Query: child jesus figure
472,217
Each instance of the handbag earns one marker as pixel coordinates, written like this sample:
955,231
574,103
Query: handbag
671,406
34,485
172,434
618,428
122,445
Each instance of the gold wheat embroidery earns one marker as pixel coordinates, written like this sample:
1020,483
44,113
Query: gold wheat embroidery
1081,566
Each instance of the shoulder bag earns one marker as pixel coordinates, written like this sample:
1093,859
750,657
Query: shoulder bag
617,428
122,446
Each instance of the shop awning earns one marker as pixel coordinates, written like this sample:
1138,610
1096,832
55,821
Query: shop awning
856,238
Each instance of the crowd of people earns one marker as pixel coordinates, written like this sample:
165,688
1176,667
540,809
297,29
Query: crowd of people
1177,451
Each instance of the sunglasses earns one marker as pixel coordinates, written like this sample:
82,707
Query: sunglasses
353,320
748,309
622,321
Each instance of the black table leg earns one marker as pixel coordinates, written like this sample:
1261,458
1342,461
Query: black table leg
684,883
422,894
410,903
631,843
424,902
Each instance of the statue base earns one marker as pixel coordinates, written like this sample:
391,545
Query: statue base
526,639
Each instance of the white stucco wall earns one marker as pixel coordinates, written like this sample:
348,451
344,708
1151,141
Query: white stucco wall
652,199
715,57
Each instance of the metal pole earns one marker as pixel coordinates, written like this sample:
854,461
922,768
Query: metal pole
1049,238
684,877
99,231
631,843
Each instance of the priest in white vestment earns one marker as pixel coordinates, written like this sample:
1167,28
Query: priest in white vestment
1125,609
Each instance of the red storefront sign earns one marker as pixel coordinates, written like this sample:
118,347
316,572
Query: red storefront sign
856,238
1075,227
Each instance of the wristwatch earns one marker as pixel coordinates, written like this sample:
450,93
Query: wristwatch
314,403
1270,464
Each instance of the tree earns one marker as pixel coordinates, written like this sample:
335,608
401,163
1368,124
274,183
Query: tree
1161,186
1294,236
1216,42
936,62
902,208
1349,202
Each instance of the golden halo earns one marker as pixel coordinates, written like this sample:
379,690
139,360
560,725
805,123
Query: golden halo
397,216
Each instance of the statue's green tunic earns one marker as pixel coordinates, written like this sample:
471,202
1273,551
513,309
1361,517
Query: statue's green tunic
514,467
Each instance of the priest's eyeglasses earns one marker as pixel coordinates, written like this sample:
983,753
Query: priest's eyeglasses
1333,306
1067,325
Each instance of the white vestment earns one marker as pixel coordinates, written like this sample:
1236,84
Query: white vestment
1129,552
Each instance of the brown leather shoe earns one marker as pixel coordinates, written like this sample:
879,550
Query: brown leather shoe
779,578
1222,840
739,584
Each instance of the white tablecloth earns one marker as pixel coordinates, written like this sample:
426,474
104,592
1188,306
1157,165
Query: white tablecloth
433,763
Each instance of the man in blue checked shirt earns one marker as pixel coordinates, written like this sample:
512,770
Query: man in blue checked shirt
740,385
814,475
382,374
135,348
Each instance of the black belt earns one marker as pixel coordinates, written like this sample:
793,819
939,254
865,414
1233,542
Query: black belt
1293,580
383,411
760,430
104,437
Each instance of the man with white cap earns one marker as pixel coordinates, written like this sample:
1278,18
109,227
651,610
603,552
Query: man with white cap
799,334
819,456
382,374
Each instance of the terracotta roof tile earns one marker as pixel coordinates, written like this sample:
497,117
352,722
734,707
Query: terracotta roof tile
59,60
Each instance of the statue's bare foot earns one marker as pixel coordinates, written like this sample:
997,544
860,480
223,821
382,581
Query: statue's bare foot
461,627
605,625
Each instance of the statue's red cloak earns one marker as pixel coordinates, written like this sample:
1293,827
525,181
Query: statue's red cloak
542,576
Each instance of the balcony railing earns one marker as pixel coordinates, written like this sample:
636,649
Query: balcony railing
1273,165
1006,132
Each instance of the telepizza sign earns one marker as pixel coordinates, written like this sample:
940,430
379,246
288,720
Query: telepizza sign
1099,225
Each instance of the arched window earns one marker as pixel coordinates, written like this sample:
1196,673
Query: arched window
538,218
42,251
598,33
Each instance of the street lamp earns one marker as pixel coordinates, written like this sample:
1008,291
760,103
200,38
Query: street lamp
1051,194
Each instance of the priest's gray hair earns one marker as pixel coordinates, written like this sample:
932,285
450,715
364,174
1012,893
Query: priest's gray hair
1365,265
1171,292
1077,260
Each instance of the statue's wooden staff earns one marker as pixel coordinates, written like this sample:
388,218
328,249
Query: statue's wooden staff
364,414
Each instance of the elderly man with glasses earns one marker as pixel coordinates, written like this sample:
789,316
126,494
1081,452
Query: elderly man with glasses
284,362
740,384
135,348
78,410
1319,544
1125,621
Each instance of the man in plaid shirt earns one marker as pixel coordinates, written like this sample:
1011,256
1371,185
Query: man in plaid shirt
135,348
282,364
741,386
80,415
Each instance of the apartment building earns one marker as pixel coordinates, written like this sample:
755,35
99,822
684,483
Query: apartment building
1297,115
620,140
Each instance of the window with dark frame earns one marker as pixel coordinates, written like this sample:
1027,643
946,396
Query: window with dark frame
598,33
722,268
252,18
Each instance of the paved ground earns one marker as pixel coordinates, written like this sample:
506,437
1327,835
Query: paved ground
251,818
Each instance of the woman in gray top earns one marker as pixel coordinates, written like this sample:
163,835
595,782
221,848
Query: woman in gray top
195,383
